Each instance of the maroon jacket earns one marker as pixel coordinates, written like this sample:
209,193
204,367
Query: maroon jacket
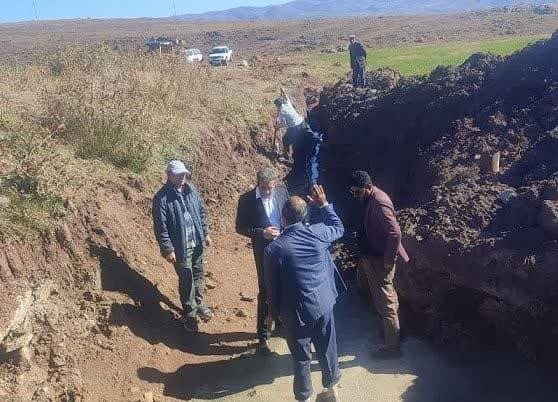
381,228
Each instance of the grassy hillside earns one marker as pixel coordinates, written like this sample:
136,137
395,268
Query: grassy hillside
90,113
419,59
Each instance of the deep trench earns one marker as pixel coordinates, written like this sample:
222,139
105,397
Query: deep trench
458,320
389,146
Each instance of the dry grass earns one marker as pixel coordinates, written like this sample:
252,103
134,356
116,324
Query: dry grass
123,110
33,176
89,111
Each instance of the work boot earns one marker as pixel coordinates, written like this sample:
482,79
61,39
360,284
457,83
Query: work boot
264,348
190,324
385,353
205,313
332,394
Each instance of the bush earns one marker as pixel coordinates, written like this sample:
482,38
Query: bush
33,179
124,109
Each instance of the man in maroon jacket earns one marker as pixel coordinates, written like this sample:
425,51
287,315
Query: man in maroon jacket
380,248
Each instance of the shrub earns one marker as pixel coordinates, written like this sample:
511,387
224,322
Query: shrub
34,177
124,109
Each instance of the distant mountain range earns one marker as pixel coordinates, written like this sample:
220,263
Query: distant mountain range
303,9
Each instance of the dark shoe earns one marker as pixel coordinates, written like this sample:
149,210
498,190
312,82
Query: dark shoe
190,324
205,313
263,348
385,353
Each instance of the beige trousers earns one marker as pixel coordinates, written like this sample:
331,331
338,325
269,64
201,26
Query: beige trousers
380,279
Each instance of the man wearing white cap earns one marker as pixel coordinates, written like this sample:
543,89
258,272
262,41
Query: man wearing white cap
181,229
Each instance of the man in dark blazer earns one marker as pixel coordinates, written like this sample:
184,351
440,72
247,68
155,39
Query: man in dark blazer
259,218
301,290
358,62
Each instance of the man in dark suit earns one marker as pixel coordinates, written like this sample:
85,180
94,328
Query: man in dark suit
259,218
301,290
358,62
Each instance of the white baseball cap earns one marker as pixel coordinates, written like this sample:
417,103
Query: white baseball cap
177,167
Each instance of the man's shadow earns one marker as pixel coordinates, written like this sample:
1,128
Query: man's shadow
218,379
151,316
213,380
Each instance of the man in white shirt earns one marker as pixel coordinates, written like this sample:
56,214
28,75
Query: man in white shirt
259,218
304,142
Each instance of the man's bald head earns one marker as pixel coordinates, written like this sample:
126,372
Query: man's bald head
294,211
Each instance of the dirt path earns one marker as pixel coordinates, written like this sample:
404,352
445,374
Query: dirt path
423,375
154,354
144,339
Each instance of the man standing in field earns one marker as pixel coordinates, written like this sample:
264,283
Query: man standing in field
358,62
259,218
182,231
380,248
301,290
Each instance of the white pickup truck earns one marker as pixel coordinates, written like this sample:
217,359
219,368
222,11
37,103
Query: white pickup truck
220,56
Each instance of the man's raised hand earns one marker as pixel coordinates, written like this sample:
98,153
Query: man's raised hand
317,196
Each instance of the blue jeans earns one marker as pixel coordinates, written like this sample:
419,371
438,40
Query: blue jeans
359,76
322,334
312,172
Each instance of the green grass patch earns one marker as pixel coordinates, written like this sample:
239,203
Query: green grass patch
422,59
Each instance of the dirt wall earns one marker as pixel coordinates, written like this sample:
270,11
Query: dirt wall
481,236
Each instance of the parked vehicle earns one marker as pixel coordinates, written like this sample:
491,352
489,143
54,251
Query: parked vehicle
220,56
163,45
194,55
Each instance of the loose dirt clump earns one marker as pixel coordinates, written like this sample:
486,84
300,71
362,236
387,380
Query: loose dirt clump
471,153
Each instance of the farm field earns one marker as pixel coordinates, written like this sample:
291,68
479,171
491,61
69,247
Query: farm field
422,59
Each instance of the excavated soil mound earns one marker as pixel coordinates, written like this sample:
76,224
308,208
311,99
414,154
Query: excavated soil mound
471,153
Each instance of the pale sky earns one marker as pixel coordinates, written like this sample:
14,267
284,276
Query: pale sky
24,10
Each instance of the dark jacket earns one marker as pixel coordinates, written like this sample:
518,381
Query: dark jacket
251,219
357,52
168,219
300,272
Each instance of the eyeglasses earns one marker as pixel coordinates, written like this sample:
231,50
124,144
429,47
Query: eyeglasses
357,192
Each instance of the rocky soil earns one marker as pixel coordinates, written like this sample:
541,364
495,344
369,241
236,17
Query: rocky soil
471,155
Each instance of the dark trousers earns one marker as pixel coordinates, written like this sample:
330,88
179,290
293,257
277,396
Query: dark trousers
312,166
264,330
306,157
322,334
295,137
191,281
359,76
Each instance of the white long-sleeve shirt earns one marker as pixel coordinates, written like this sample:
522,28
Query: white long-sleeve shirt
288,116
271,209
